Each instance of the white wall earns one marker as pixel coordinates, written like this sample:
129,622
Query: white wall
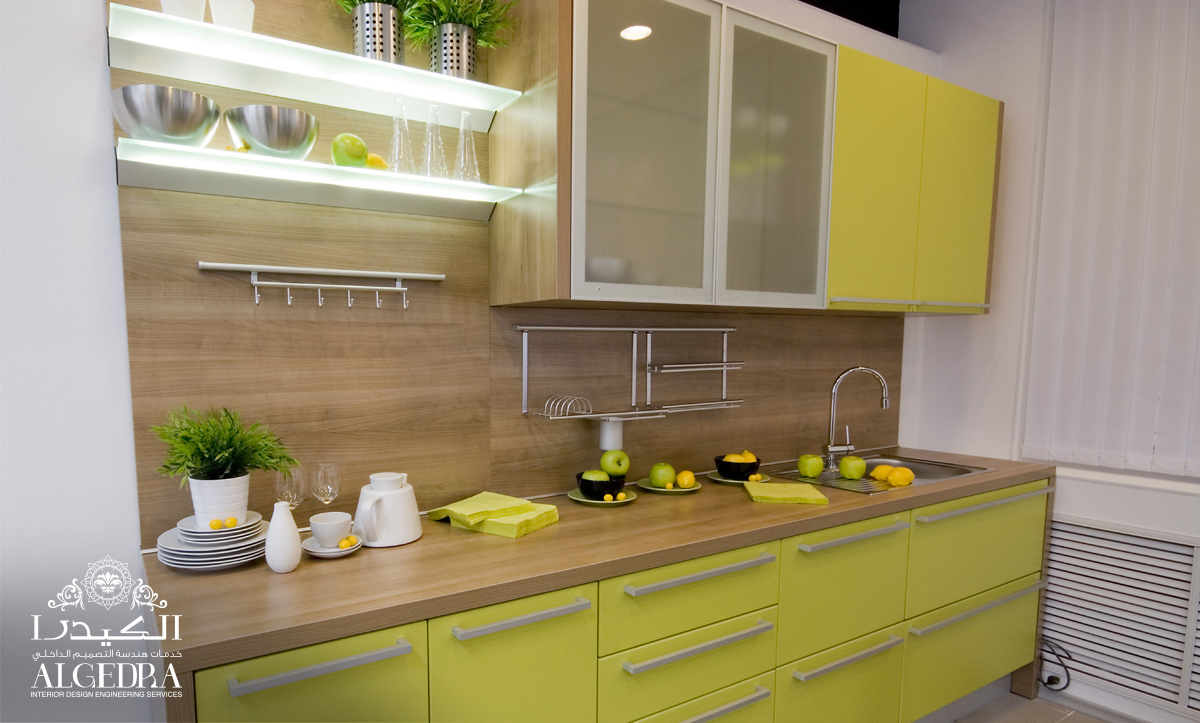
67,482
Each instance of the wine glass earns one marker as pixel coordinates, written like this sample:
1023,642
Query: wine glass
326,481
290,488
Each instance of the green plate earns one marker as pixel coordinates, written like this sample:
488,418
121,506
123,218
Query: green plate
644,483
735,482
576,495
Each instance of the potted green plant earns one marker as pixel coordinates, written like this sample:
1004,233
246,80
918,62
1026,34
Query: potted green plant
213,454
377,28
452,29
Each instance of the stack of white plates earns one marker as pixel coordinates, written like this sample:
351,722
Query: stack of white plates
192,545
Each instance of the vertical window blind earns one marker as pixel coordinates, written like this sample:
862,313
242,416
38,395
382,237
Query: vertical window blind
1114,366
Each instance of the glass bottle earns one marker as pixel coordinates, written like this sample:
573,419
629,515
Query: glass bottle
466,165
400,159
434,163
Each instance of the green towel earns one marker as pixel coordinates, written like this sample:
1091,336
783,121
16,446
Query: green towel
800,494
482,506
515,526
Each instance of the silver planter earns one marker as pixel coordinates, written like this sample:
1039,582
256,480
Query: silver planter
453,51
377,32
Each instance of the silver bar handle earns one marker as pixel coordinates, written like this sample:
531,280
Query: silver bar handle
580,604
238,688
635,668
760,693
818,546
983,506
636,590
891,642
865,300
976,611
954,303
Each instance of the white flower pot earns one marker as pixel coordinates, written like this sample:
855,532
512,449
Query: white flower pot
220,499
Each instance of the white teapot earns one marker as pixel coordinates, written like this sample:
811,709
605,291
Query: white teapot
387,511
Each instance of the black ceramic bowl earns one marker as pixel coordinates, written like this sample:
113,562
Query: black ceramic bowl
596,489
735,470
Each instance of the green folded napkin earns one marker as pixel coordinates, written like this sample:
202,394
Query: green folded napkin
482,506
798,493
514,526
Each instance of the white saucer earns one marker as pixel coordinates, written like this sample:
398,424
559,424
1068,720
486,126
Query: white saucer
191,524
311,547
170,540
234,534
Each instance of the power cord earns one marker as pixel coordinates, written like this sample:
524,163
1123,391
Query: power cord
1054,682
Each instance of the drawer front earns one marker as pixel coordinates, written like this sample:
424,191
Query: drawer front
962,647
653,604
533,658
841,583
750,701
856,681
379,676
963,547
654,677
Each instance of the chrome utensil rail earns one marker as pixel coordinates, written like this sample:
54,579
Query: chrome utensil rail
255,269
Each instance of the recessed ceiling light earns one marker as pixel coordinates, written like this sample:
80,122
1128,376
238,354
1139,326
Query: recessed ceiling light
636,32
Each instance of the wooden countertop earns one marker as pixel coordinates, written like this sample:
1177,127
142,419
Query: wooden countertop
250,610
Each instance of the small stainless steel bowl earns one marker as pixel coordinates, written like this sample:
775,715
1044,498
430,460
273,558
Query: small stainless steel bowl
272,130
165,114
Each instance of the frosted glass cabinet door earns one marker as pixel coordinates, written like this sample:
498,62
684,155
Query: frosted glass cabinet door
776,129
644,150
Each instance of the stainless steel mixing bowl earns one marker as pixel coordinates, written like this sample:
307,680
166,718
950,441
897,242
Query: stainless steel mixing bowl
272,130
165,114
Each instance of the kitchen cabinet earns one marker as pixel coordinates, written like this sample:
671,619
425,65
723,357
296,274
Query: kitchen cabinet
377,676
529,658
856,681
912,190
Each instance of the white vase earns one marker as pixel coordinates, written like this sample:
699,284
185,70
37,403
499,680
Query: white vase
283,540
220,499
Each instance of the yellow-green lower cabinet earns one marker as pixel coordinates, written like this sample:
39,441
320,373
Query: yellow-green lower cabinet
524,660
379,676
962,647
750,701
644,680
857,682
840,583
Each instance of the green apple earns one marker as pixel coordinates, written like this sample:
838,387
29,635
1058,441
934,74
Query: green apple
349,150
852,467
810,465
615,462
661,475
596,475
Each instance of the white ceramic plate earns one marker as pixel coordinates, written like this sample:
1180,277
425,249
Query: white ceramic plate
209,559
191,524
170,540
241,533
215,565
311,547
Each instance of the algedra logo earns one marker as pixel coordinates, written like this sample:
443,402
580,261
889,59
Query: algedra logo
92,667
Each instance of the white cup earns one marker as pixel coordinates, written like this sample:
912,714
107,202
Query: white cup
236,14
190,9
330,528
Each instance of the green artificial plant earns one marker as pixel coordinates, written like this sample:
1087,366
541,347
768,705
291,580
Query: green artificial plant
489,19
216,445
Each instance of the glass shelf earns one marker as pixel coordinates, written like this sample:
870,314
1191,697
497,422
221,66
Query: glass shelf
151,42
225,173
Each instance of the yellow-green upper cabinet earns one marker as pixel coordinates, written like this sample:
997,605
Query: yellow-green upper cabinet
876,183
957,190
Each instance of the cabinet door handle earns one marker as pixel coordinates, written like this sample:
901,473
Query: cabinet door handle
635,668
891,642
580,604
976,611
865,300
818,546
760,693
983,506
653,587
236,687
963,304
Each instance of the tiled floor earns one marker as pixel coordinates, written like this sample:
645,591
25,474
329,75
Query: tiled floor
1015,709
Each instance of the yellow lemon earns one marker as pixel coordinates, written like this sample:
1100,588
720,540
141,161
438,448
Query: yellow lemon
900,476
353,539
685,479
374,160
345,544
216,524
755,477
748,456
231,522
735,457
620,495
670,485
881,472
608,498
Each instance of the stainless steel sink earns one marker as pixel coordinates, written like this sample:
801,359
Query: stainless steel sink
925,471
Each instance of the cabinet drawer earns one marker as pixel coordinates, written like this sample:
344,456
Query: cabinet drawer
750,701
533,658
654,677
856,681
840,583
653,604
379,676
963,547
961,647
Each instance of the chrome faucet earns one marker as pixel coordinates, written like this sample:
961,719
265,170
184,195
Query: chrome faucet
832,450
